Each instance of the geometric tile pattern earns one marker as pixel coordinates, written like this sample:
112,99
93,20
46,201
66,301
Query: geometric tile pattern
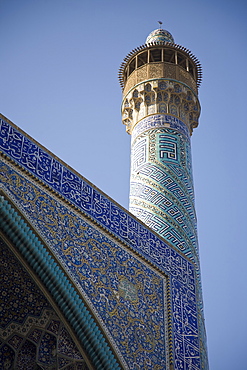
161,188
139,153
32,335
168,148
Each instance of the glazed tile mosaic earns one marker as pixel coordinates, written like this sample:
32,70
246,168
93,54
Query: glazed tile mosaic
127,296
159,35
141,290
160,121
161,186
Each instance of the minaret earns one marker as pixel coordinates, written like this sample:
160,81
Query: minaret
160,109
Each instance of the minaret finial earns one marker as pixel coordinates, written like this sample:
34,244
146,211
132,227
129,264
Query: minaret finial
160,23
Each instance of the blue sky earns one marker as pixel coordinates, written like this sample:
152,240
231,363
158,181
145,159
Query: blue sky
58,67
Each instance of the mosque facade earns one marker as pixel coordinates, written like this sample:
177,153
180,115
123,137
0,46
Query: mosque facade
87,284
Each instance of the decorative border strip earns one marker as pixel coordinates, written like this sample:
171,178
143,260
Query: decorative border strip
160,121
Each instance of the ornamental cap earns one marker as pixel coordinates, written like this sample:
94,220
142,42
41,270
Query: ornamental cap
159,35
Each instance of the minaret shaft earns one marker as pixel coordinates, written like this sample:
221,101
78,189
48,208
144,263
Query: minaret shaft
159,114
